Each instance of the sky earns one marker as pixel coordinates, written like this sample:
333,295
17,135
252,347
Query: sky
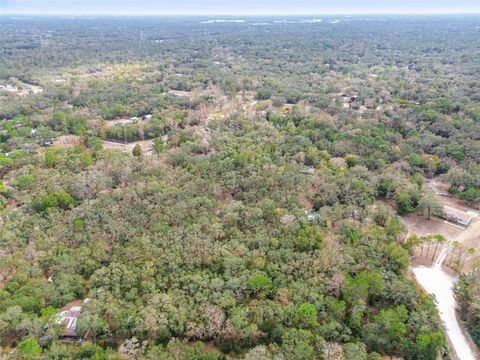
237,7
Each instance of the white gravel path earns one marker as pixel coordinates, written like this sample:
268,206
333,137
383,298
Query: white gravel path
437,282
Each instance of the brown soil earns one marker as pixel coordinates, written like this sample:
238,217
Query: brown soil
128,147
68,141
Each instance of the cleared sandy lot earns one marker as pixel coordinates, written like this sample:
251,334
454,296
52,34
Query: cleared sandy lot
22,89
67,141
468,236
146,146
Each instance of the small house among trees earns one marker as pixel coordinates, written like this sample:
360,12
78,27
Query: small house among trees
69,316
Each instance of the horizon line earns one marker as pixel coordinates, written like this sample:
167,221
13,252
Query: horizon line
476,12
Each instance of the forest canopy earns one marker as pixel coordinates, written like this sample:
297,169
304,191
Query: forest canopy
229,190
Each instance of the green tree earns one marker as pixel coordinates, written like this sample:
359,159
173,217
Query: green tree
91,326
385,188
89,350
94,143
355,351
306,316
5,163
263,94
467,291
47,313
471,194
405,201
428,346
429,204
24,181
387,331
309,238
65,200
259,285
29,349
3,189
360,290
60,199
397,258
301,344
51,157
438,240
158,146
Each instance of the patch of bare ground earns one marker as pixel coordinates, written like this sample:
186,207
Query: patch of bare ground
68,141
21,89
419,225
111,123
440,189
471,239
467,236
146,146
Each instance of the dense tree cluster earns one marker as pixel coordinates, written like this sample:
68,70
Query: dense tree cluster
468,293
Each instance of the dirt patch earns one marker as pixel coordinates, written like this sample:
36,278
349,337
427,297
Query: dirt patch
470,238
419,225
181,93
111,123
146,146
73,304
21,89
68,141
440,189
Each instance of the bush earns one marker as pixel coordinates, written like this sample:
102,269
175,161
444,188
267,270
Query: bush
60,199
29,349
263,94
406,203
94,143
24,181
471,194
137,150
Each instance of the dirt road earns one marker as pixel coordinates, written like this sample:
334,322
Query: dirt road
434,279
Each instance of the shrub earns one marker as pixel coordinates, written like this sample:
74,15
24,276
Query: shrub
29,349
24,181
60,199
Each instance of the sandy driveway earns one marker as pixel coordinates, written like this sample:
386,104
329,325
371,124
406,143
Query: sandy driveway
433,278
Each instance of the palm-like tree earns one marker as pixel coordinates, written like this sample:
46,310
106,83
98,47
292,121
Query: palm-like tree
437,239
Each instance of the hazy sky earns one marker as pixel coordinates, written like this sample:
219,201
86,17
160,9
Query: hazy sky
237,7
